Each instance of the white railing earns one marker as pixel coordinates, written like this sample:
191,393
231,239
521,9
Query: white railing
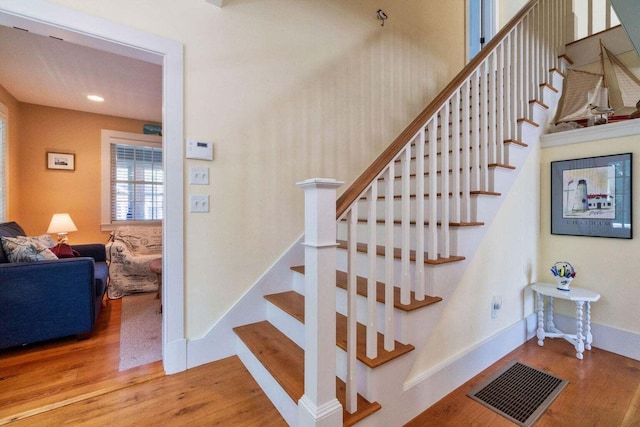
409,187
593,16
464,131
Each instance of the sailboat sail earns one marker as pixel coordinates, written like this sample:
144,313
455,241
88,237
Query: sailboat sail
624,87
615,87
575,100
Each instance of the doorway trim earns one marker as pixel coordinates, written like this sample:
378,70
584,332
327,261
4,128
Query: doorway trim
39,12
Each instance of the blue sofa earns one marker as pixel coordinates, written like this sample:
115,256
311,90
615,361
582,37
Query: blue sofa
42,300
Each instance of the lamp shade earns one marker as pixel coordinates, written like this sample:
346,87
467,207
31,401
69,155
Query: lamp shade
61,223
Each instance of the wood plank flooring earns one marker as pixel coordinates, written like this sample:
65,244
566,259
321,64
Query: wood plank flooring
78,383
603,390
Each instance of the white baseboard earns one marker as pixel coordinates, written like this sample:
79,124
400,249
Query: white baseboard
617,341
432,385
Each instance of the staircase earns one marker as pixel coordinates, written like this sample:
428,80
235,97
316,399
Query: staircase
406,228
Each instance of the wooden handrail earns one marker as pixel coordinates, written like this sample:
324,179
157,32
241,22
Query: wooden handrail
362,182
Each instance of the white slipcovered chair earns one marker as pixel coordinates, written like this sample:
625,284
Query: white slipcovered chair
129,253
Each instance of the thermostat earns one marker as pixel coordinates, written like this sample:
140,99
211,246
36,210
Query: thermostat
198,149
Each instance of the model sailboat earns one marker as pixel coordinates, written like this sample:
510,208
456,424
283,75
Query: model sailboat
587,96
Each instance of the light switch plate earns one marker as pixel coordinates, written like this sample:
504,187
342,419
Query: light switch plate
199,204
199,176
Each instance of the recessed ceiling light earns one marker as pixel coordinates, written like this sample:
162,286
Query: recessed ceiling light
95,98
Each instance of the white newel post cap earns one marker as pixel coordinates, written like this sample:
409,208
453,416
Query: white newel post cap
320,194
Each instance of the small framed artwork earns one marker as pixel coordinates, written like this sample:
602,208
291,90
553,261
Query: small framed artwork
63,161
592,196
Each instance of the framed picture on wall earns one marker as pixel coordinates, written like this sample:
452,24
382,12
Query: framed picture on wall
592,196
62,161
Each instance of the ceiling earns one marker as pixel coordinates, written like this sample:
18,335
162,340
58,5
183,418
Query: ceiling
53,67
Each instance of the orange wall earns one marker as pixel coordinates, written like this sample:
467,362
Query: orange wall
45,192
13,182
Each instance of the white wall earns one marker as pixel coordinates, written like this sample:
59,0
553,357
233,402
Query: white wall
607,266
287,90
503,265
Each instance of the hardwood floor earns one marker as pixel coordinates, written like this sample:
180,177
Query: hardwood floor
78,383
70,382
603,390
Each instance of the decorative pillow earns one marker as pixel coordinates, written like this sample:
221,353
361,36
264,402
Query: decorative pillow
62,250
22,249
45,240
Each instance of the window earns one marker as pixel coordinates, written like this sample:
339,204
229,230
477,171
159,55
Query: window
3,162
132,178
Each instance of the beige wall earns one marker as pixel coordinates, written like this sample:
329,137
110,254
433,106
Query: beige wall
608,266
286,90
13,182
45,192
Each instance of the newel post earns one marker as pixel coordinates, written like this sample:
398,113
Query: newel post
319,405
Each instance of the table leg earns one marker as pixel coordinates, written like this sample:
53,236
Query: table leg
550,325
579,337
588,337
540,331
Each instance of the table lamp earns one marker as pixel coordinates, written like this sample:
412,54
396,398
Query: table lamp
61,224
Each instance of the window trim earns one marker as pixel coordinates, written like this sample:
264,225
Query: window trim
110,137
4,168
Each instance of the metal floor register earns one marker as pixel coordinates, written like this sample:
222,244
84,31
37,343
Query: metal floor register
519,392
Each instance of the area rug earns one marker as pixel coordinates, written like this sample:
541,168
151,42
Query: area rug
519,393
140,330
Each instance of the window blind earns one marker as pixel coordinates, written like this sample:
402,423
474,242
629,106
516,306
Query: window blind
137,192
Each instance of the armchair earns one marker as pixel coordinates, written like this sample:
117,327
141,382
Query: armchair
131,250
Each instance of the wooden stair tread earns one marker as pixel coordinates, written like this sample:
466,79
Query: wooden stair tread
285,362
292,303
361,289
380,251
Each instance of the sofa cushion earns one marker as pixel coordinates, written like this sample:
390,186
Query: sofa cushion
9,229
23,249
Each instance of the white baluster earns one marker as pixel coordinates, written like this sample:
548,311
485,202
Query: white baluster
444,200
351,403
372,327
499,121
432,192
492,69
484,124
466,152
420,200
455,158
389,340
475,130
405,281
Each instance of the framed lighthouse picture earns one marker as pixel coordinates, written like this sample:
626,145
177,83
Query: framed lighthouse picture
592,196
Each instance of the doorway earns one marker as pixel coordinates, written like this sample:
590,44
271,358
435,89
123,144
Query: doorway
80,28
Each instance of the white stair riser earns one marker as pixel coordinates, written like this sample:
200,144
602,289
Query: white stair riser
280,399
397,184
380,206
362,233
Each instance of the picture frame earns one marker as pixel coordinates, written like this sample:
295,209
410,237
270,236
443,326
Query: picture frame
61,161
592,196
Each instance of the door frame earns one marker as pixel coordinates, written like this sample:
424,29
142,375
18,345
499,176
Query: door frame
112,36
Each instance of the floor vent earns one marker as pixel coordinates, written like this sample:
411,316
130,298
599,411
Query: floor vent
519,393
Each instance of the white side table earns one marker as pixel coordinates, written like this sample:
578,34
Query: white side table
581,297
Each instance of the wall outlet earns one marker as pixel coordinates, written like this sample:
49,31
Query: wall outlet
199,204
496,305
